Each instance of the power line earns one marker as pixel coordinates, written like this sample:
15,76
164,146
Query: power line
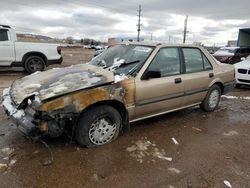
139,24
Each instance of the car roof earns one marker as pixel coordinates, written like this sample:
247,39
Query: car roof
159,44
229,48
4,26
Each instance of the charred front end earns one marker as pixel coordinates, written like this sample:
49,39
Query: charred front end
49,106
29,119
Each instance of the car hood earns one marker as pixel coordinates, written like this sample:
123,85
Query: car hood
221,54
243,64
59,81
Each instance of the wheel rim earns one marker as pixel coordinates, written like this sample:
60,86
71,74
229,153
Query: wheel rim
214,99
102,131
35,65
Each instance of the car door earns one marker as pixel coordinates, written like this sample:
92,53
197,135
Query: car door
198,75
164,91
7,51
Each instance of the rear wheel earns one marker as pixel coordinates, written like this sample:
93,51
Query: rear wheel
34,64
212,99
98,126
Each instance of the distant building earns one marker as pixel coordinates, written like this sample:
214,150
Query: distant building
232,43
113,41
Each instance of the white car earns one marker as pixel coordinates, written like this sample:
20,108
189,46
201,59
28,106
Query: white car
242,72
31,56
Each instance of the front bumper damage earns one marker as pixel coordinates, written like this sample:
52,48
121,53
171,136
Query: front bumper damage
22,118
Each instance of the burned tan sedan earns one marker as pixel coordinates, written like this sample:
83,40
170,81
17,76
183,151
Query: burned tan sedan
126,83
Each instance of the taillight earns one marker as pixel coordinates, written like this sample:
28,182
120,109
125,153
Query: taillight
59,50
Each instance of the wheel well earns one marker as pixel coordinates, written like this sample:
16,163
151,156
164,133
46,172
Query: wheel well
39,54
119,107
220,85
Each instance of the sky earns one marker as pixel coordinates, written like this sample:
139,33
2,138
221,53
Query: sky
210,22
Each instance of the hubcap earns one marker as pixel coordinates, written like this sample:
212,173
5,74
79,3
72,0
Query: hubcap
102,131
35,65
213,99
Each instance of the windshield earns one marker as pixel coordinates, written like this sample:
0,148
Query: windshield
123,59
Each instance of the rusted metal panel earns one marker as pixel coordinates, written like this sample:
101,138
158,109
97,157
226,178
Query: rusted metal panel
123,92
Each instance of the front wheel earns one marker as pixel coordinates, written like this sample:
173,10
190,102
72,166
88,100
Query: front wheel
212,99
34,64
98,126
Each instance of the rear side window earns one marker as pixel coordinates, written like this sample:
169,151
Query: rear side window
167,62
195,61
3,35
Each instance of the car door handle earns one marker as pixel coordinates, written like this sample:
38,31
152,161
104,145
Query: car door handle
177,80
211,75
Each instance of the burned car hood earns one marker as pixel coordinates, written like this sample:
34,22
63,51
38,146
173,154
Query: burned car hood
59,81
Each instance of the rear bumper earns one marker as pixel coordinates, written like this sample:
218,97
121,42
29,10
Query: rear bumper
55,61
18,117
229,86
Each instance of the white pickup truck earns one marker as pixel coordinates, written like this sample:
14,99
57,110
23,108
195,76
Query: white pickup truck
31,56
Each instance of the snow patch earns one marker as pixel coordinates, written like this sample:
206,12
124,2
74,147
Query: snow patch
119,78
227,183
175,141
35,73
235,97
231,133
11,109
143,149
117,63
174,170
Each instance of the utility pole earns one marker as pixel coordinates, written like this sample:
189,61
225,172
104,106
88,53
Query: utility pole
139,24
185,30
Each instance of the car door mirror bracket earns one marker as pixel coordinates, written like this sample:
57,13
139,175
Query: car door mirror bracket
151,74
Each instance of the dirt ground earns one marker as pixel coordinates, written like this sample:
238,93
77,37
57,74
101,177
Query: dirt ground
212,147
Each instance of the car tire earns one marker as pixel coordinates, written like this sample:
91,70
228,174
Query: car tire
98,126
212,99
33,64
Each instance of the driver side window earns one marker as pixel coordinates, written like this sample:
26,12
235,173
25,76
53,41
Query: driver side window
3,35
167,62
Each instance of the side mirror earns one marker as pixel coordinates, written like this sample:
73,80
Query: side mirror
243,59
151,74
